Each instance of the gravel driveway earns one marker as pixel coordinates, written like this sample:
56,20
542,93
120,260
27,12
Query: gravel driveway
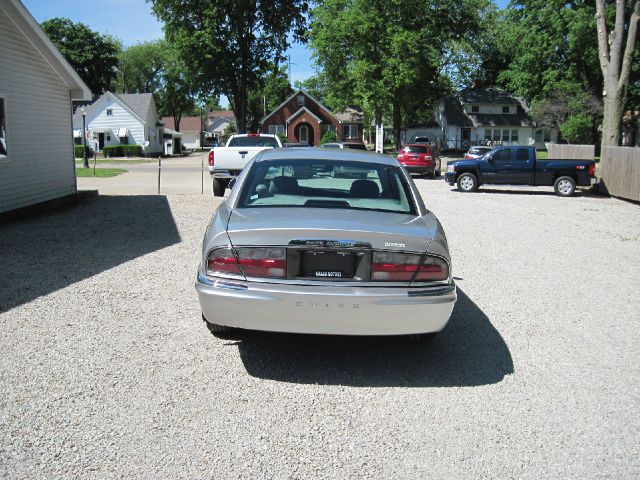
106,370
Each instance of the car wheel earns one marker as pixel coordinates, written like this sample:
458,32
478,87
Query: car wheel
564,186
432,173
467,182
437,169
219,187
217,330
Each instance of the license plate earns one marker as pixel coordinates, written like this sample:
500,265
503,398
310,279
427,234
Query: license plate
328,264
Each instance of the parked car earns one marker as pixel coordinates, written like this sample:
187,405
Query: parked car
422,140
226,163
325,255
519,166
420,158
295,145
477,152
347,145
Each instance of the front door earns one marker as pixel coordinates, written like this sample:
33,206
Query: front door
100,141
304,134
466,137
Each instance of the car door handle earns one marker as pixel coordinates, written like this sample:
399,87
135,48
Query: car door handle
508,165
244,152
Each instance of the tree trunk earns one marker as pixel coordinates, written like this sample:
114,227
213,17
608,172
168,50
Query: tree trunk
397,123
615,66
177,118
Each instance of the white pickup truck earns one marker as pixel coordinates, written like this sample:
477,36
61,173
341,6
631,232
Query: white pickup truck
227,162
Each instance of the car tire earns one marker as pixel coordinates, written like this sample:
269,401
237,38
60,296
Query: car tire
216,329
219,186
437,169
432,173
564,186
467,182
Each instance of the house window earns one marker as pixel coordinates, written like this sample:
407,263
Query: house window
505,109
350,131
487,134
514,135
3,131
505,135
547,135
330,128
496,135
300,99
108,138
109,112
276,129
475,108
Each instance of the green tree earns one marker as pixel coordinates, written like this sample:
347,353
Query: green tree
176,95
92,55
141,67
229,45
386,55
276,90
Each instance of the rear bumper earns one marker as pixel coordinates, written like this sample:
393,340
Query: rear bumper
216,173
326,310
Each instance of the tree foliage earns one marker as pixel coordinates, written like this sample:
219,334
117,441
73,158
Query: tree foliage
276,89
387,55
92,55
229,45
141,67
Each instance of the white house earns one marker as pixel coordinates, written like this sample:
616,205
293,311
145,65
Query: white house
478,115
36,84
217,122
121,119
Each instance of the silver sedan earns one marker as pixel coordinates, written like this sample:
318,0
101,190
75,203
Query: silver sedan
295,248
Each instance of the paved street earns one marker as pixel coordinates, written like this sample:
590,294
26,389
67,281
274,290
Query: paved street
107,370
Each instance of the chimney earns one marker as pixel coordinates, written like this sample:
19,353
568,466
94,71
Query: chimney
476,83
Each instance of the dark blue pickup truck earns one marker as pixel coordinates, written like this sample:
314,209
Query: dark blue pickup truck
519,166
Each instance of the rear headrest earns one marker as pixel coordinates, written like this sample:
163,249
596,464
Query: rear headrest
365,189
283,184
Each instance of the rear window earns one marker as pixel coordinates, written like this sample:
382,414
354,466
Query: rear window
253,141
416,149
327,184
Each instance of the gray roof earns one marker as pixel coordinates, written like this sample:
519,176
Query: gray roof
140,103
487,95
349,115
455,114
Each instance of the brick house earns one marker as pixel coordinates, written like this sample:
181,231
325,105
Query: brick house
303,119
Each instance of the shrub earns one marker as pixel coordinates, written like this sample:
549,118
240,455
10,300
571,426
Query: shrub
78,151
328,137
122,151
577,129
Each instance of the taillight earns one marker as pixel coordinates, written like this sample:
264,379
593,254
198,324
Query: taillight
211,158
428,158
592,170
468,157
222,261
263,262
252,262
405,267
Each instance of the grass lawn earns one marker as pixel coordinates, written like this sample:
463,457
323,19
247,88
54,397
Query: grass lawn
100,172
129,161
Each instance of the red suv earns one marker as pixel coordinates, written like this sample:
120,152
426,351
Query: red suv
420,158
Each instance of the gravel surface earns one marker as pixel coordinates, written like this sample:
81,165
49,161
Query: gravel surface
106,370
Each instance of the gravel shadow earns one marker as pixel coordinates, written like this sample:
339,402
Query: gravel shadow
48,252
468,352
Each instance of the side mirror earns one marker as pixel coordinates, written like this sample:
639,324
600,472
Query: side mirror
232,182
490,158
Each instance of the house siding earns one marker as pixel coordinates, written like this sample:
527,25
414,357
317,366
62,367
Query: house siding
120,118
40,164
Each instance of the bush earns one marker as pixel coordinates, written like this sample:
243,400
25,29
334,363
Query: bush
328,137
78,151
577,129
122,151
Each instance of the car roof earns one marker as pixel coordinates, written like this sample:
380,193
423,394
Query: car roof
325,154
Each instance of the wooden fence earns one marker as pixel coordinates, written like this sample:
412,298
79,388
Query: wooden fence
620,172
571,152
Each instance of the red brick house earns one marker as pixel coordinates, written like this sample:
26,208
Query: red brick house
303,119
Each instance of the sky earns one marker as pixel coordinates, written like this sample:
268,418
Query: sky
132,21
